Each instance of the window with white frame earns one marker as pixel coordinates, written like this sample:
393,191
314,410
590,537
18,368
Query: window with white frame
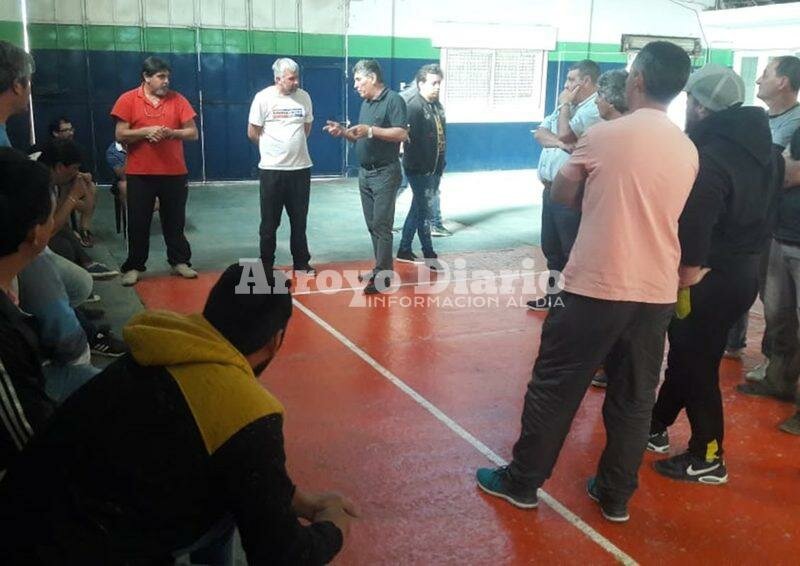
494,85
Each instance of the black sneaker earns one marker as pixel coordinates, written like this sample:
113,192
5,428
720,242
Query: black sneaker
658,442
408,257
104,343
540,304
373,289
688,467
617,513
305,269
497,482
100,271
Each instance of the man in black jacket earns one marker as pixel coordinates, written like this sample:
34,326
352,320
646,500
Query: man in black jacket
423,161
26,220
722,231
172,446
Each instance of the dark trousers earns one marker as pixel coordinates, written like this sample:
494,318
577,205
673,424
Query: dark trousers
696,345
737,337
378,188
65,244
575,340
172,192
279,189
559,230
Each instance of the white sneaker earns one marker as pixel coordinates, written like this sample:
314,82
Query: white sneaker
184,271
129,278
757,373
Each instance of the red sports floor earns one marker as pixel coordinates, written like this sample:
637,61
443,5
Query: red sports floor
396,406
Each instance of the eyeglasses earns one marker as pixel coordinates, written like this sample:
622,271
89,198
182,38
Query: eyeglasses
65,130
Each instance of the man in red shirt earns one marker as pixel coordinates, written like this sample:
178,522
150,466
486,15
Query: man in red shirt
153,122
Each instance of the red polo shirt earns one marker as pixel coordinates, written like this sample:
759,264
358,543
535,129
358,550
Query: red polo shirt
144,157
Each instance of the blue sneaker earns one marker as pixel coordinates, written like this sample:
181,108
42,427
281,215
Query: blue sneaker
497,482
615,513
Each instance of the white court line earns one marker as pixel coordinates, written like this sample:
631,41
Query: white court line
418,283
558,507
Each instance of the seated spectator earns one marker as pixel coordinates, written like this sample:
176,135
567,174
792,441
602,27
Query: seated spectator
62,129
116,156
64,158
26,220
171,447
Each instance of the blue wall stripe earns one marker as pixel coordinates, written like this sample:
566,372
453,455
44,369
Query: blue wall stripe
68,83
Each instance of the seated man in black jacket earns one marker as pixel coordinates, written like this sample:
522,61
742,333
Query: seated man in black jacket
722,230
26,220
170,447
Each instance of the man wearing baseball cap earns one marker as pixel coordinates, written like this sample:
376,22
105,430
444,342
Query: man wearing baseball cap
722,230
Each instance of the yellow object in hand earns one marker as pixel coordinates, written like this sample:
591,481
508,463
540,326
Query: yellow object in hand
684,305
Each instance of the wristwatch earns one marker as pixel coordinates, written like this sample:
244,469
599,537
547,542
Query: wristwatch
369,132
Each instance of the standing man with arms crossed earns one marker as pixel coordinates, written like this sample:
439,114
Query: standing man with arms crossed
619,292
154,122
280,121
576,112
381,128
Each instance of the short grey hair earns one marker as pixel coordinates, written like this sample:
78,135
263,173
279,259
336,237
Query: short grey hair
611,86
369,67
280,66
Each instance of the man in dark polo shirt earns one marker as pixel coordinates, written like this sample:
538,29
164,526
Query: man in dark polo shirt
381,128
154,122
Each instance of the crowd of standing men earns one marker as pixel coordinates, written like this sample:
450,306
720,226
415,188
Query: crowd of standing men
637,216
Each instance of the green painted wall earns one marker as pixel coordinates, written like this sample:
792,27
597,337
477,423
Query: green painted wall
216,40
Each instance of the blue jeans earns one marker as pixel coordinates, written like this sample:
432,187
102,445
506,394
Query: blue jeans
435,204
418,219
737,337
61,381
77,281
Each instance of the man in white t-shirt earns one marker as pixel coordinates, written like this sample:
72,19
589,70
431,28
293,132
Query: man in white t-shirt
280,121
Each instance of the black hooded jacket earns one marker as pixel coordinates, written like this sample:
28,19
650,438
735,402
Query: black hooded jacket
731,209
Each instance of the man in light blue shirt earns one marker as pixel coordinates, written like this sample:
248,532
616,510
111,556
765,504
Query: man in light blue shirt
576,112
16,68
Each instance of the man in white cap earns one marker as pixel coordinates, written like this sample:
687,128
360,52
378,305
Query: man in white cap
722,230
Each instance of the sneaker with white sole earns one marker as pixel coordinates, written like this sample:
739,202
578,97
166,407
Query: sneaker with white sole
658,442
183,270
100,271
104,343
498,482
691,468
129,278
758,373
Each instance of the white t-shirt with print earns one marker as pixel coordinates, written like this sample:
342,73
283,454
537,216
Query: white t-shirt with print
282,144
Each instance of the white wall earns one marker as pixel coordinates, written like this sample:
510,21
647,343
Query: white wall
597,21
311,16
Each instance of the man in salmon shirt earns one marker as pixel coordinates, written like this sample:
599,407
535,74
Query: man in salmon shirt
154,122
631,178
